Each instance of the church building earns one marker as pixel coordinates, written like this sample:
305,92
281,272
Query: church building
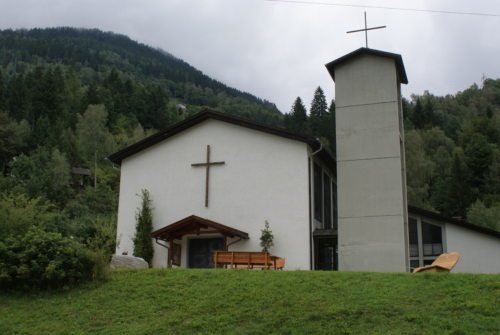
216,179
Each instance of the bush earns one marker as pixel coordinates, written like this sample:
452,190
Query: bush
18,213
42,259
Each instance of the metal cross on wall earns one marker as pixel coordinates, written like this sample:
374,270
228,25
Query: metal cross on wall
207,165
366,31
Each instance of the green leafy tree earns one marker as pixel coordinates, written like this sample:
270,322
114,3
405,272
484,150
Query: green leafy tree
481,215
478,156
143,243
18,214
93,139
453,195
419,170
43,173
13,138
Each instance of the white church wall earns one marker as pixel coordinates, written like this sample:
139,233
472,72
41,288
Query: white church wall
265,177
371,199
479,253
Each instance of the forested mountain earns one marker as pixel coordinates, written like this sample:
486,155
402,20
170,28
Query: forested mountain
69,97
91,58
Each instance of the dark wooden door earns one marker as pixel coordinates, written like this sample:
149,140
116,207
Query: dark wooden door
326,254
201,251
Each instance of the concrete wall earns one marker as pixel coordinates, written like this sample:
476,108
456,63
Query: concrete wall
370,170
479,253
265,178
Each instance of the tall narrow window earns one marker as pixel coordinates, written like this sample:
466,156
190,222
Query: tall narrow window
334,203
432,239
325,198
425,242
413,238
327,201
318,193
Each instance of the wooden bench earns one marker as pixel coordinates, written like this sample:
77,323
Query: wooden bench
247,260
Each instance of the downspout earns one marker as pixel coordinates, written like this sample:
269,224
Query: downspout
112,164
169,264
310,162
163,245
234,242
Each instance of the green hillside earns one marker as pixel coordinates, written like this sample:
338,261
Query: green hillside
261,302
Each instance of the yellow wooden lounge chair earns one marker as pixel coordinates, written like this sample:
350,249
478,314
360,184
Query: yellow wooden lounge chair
445,262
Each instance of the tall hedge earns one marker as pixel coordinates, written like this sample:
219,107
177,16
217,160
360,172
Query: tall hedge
143,243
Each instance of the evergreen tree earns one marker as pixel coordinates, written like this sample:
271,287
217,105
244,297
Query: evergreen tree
298,117
418,115
13,138
318,113
92,95
478,156
453,195
3,104
143,243
318,105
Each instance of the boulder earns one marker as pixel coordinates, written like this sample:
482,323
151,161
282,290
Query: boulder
128,262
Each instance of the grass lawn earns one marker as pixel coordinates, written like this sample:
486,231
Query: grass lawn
261,302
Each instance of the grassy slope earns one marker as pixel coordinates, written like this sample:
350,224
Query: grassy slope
243,301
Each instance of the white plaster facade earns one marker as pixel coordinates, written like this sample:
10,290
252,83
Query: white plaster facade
479,252
265,177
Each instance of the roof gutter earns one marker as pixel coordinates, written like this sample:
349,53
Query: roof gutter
320,147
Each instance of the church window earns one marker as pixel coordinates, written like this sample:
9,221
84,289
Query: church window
327,201
425,241
318,193
325,198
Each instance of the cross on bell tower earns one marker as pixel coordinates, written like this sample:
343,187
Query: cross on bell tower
366,31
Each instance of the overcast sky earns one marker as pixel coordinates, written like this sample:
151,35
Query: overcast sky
277,51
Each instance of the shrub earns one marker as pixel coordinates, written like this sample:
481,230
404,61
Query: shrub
42,259
18,213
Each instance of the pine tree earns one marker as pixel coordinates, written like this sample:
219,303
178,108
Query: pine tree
332,128
2,93
418,115
298,117
143,244
318,105
318,113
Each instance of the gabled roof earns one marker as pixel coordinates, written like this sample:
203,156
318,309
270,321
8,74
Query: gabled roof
193,225
206,114
461,223
397,58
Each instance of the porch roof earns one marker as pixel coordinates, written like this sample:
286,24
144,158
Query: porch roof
193,225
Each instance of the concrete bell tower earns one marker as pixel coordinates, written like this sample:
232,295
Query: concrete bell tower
371,177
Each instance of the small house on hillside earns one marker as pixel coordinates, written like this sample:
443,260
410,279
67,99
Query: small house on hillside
215,179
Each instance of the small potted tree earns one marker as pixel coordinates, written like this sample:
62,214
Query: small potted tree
266,238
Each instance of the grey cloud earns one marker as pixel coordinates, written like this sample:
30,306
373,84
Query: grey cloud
278,51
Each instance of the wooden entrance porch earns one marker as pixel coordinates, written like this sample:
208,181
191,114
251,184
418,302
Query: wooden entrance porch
196,226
